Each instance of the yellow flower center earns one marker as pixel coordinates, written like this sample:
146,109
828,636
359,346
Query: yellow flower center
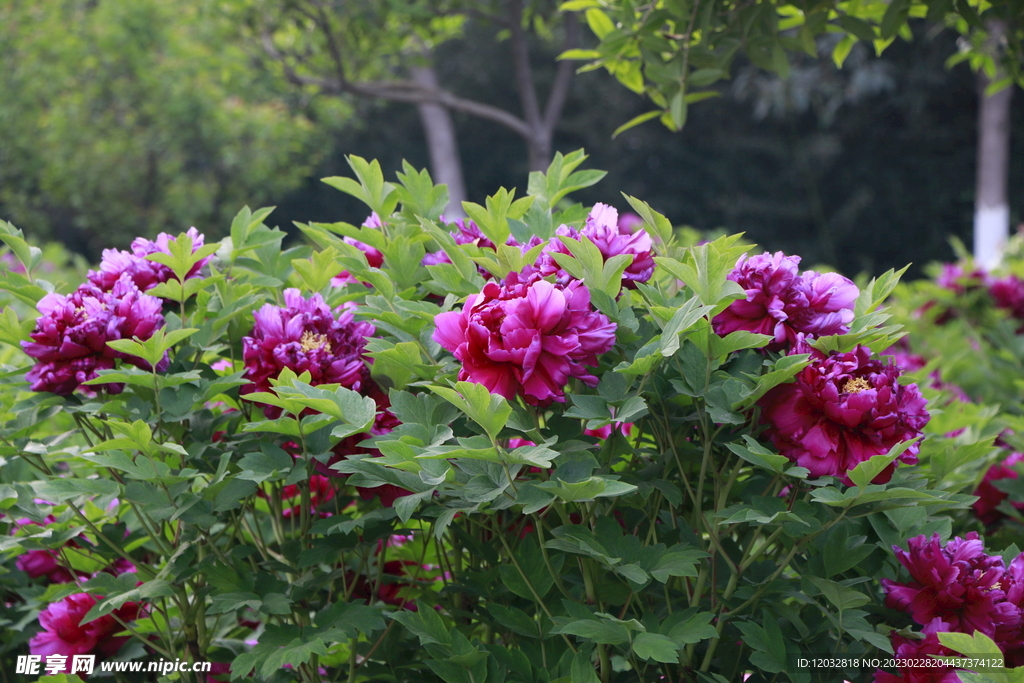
312,340
856,385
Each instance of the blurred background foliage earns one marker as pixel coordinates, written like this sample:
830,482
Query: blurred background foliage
130,118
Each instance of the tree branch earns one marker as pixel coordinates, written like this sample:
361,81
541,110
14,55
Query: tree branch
397,91
521,68
563,77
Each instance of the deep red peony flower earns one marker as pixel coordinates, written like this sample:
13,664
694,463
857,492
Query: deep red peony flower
1008,293
64,634
373,256
69,342
42,563
911,649
527,337
843,409
958,583
144,273
786,304
989,497
305,335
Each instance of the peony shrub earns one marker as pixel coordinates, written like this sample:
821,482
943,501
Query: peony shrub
545,443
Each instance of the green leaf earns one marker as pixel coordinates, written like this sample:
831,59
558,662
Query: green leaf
425,623
490,411
866,471
597,631
636,121
681,321
678,561
599,22
515,620
582,669
657,647
57,490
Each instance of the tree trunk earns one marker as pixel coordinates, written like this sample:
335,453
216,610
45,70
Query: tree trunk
991,205
445,164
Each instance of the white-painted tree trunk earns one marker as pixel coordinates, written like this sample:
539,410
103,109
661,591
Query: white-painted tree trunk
443,146
991,203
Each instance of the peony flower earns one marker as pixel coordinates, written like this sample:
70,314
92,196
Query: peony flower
1008,293
69,342
629,222
912,649
527,337
786,304
64,634
144,273
601,228
989,497
466,232
42,563
305,336
954,278
373,256
603,433
843,409
958,583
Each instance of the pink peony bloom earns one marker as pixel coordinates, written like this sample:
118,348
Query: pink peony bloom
373,256
527,337
305,335
843,409
69,342
912,649
144,273
629,222
989,497
64,634
958,583
954,278
784,303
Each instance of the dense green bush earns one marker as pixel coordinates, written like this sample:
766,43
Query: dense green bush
552,444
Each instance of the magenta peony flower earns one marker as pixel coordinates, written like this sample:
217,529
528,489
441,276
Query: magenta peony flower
911,649
843,409
958,583
466,232
527,337
144,273
989,497
602,228
69,342
305,335
373,256
784,303
64,634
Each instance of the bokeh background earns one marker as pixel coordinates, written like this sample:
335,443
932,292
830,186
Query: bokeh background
126,118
